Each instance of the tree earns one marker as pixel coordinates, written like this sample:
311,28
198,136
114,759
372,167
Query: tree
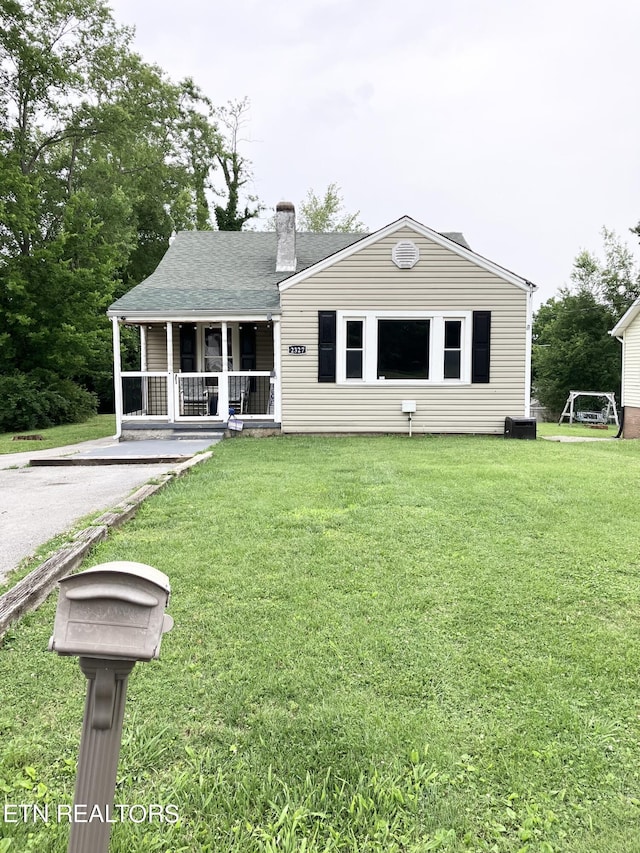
102,158
328,214
572,348
615,282
235,171
58,252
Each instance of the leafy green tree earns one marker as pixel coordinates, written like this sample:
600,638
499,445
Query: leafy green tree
326,214
57,258
102,158
572,348
615,280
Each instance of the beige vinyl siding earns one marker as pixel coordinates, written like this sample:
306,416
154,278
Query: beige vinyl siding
176,348
264,347
156,348
369,281
631,377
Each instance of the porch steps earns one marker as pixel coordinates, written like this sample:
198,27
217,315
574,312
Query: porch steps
145,430
172,432
179,435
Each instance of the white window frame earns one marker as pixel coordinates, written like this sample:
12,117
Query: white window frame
343,348
436,346
446,349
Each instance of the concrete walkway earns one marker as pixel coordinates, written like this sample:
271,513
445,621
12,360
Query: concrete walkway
110,451
17,460
39,503
573,439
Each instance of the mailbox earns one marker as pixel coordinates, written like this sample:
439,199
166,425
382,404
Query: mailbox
115,610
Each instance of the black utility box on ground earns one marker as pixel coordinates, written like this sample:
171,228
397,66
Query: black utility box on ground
520,428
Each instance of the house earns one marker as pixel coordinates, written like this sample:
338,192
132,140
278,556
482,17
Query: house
627,330
337,333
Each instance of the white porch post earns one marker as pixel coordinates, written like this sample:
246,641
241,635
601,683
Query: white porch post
171,403
223,384
143,347
277,369
225,347
143,366
117,375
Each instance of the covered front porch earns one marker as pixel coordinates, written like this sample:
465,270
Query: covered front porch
202,372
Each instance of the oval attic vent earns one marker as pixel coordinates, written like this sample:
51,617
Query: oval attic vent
405,254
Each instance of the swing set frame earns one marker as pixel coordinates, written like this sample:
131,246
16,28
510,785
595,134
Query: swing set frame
595,417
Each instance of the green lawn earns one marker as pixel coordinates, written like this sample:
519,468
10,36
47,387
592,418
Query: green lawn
105,425
96,427
380,644
577,430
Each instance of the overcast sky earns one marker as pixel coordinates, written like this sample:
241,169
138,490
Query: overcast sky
514,122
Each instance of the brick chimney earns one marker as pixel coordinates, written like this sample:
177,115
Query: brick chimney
286,237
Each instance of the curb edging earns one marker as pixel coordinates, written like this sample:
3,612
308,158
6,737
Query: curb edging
30,592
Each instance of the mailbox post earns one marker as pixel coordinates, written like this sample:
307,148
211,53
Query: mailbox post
110,617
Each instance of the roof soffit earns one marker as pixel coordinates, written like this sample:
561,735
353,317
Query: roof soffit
627,319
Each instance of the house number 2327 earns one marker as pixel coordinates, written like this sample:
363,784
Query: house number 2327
298,350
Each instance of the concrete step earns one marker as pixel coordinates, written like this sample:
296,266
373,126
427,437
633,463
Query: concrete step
172,435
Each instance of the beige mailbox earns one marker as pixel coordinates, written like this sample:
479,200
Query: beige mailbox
115,610
110,617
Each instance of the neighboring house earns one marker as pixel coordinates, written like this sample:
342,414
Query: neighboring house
627,330
332,333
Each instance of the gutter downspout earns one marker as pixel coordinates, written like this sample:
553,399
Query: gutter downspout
621,426
529,339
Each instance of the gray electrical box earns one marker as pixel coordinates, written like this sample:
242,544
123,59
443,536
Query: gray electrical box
115,610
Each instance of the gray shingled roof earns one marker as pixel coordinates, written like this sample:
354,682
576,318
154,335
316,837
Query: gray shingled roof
224,271
227,272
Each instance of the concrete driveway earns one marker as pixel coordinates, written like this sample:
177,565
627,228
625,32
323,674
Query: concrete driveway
39,503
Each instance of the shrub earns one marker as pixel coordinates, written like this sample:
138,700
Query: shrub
40,400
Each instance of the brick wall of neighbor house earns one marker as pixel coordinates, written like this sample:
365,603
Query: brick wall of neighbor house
631,422
368,280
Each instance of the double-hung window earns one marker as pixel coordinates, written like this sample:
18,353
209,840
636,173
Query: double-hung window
354,349
452,349
379,347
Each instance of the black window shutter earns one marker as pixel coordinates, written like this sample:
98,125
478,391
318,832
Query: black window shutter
327,346
481,346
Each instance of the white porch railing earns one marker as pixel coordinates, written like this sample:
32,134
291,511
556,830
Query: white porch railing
165,396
